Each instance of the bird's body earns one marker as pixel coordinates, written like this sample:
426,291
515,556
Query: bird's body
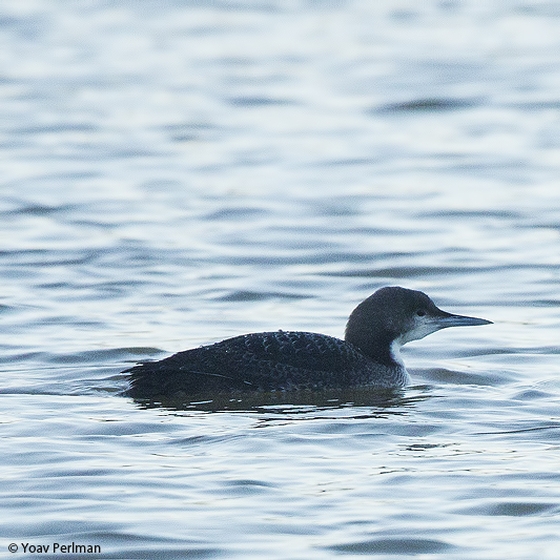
265,361
293,360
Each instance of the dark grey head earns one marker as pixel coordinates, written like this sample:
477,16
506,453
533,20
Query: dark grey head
394,316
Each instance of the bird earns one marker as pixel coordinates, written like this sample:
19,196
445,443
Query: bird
369,355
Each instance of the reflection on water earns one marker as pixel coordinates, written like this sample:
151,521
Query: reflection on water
286,402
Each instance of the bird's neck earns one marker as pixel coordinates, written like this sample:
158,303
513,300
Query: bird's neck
382,349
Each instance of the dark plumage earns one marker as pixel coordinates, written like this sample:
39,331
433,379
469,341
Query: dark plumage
285,360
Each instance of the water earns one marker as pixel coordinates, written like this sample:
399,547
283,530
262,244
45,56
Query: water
174,173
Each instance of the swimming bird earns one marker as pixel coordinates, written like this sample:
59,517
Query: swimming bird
369,355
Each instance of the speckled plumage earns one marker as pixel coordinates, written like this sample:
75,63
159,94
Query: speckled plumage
280,360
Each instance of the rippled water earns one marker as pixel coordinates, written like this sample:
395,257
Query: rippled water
174,173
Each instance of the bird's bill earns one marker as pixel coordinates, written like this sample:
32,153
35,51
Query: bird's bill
451,320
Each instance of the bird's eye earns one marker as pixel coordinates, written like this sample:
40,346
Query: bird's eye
420,313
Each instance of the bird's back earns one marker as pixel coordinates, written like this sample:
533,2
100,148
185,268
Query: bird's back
280,360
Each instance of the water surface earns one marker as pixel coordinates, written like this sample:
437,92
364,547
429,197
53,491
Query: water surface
181,172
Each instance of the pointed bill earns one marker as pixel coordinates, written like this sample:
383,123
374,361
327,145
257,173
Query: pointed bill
451,320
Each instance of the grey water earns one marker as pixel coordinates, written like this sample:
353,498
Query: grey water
177,172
